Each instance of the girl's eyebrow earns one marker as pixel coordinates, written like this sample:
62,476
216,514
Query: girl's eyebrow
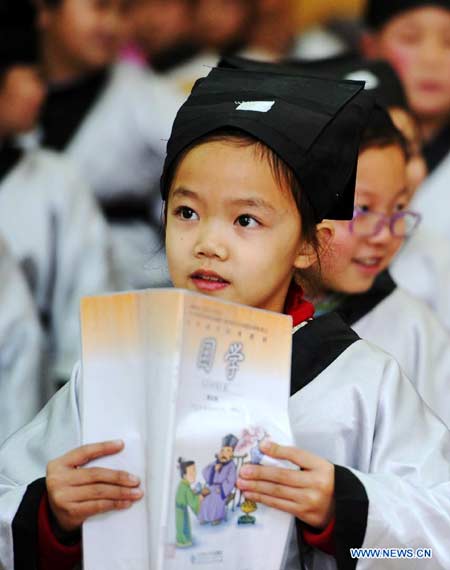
185,193
367,192
252,202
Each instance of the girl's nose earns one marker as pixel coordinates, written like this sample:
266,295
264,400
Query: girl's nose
384,234
209,245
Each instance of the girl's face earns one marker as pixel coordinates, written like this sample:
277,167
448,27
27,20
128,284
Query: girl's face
87,34
22,94
231,231
352,262
417,44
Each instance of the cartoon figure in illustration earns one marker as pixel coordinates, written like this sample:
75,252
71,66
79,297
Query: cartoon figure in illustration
184,499
220,477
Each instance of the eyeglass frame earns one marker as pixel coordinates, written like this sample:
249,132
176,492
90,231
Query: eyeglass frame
384,220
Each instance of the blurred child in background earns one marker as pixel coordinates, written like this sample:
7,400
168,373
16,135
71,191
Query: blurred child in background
47,214
414,36
111,120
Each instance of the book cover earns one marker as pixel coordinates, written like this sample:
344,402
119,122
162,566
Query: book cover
192,385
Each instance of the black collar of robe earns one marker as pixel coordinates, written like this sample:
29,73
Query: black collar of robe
67,106
437,148
355,307
10,155
317,345
379,12
313,124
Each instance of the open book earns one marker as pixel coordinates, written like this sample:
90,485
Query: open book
192,385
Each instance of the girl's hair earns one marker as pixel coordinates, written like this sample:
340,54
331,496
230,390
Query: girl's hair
282,173
183,466
381,132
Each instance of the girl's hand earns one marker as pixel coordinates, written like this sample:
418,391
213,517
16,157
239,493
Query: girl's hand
306,494
76,494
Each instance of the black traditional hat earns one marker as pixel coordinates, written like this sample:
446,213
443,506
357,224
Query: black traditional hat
379,76
313,124
230,440
378,12
18,36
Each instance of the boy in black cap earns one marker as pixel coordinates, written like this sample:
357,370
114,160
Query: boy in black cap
254,164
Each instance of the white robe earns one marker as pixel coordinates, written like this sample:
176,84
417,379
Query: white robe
21,390
359,410
406,328
422,267
120,148
432,199
54,228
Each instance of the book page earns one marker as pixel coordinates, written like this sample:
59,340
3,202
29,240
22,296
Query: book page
233,393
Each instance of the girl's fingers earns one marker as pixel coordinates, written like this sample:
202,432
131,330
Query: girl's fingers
271,489
285,505
290,477
299,457
90,475
101,492
82,455
82,511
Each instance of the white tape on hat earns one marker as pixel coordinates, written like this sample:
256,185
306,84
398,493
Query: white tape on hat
257,106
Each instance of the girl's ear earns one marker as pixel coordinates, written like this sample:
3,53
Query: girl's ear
308,255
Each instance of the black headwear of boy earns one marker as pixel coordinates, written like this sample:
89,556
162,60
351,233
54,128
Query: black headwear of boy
313,124
378,12
18,38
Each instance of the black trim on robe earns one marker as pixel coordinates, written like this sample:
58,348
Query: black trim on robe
66,107
125,208
9,157
25,527
437,149
355,307
317,345
351,512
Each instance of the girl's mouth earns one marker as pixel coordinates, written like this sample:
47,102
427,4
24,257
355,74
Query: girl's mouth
369,265
208,281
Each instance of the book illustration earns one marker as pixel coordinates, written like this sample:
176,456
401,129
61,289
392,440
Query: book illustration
212,501
186,498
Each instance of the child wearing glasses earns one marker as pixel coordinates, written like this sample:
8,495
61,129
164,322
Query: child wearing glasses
354,270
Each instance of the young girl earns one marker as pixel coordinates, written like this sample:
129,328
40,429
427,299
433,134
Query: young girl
111,119
254,163
353,272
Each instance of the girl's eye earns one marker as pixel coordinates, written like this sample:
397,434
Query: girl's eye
186,213
400,207
247,221
364,208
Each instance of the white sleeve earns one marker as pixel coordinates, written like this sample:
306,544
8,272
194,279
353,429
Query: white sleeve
84,267
23,460
22,391
407,485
